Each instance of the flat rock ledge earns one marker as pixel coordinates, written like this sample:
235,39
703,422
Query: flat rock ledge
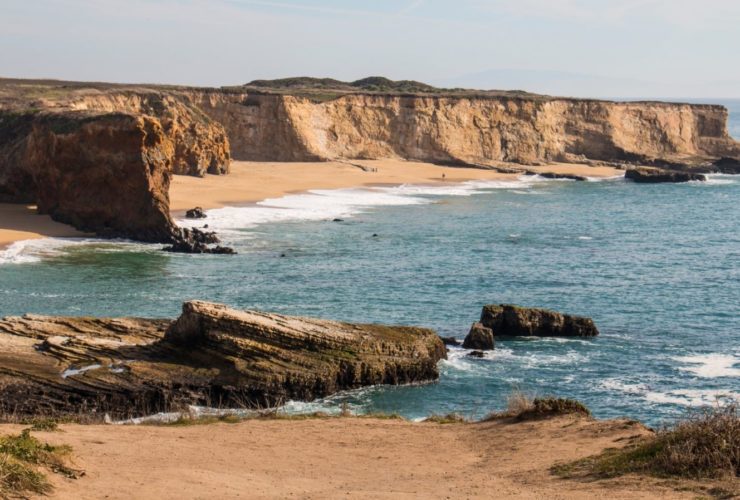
507,320
211,355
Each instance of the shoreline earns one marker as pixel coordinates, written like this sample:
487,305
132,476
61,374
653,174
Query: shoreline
251,182
21,222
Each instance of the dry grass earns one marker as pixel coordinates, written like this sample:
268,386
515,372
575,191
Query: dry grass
522,406
450,418
704,445
23,458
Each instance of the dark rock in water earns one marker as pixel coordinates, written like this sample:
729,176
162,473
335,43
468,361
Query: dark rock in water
655,175
195,213
205,226
197,241
727,165
508,320
476,354
211,355
554,175
480,337
450,341
338,220
375,235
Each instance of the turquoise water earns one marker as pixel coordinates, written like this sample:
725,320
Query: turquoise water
656,266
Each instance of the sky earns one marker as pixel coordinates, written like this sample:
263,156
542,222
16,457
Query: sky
594,48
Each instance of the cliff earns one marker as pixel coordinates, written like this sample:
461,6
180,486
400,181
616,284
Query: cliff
63,144
477,130
211,355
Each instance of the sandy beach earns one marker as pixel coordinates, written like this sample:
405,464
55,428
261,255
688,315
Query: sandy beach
346,457
21,222
250,182
255,181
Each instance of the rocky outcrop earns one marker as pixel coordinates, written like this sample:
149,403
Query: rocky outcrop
196,241
105,174
211,355
656,175
480,337
507,320
60,142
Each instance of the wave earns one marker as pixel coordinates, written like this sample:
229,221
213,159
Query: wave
29,251
682,397
710,365
328,204
26,251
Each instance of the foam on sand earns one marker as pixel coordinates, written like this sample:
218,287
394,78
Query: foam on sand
328,204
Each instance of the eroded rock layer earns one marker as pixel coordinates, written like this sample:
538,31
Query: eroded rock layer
211,355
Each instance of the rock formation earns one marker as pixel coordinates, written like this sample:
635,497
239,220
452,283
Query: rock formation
656,175
67,145
480,337
211,355
507,320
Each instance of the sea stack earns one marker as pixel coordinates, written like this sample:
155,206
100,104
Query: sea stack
507,320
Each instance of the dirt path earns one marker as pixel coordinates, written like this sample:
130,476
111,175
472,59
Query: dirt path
342,457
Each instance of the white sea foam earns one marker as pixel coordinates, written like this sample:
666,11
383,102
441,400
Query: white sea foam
711,365
325,204
684,397
715,180
693,397
26,251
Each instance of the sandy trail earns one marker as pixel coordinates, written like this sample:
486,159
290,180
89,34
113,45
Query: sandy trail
344,457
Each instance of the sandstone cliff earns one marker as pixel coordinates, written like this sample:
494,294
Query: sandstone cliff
63,144
211,355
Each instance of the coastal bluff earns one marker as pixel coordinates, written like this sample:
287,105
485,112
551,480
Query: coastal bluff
101,156
211,355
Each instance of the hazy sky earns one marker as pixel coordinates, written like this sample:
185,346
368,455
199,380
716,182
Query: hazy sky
586,47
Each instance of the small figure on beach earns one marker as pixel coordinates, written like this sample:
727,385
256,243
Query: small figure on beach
443,176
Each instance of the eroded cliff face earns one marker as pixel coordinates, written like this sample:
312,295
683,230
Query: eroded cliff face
466,130
200,144
102,172
105,174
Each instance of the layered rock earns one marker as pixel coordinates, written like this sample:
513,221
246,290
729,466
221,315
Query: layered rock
211,355
472,130
657,175
506,320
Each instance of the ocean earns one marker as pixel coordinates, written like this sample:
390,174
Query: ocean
656,266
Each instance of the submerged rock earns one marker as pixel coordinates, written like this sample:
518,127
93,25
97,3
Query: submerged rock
480,337
506,320
450,341
655,175
476,354
210,356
